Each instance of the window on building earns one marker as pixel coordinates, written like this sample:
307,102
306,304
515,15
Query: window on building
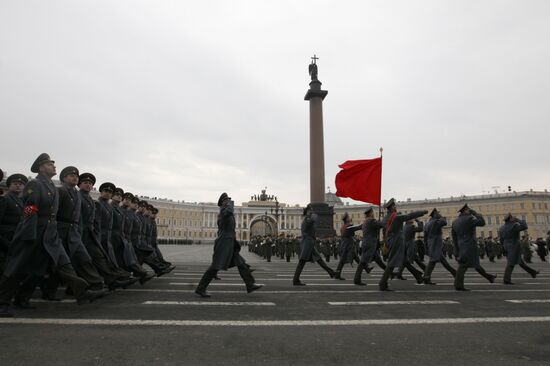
497,220
489,220
522,205
523,218
534,205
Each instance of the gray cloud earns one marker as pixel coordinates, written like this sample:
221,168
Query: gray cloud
185,99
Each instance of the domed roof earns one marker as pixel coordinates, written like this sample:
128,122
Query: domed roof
333,200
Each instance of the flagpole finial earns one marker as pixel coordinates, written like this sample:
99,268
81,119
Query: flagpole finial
381,150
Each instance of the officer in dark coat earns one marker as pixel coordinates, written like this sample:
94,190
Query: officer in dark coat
11,212
348,254
91,237
465,242
509,234
226,250
369,244
68,221
104,219
433,232
409,234
131,260
146,252
393,232
308,253
35,246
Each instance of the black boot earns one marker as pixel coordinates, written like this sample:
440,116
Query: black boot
507,280
428,273
299,268
383,284
488,277
329,270
529,270
358,272
459,279
207,277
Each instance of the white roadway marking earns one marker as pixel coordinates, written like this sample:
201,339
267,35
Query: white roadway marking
209,303
271,323
540,301
219,283
420,302
337,291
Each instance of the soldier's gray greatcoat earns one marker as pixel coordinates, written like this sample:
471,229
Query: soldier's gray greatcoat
68,221
36,244
371,231
11,213
394,236
123,249
347,245
433,234
409,232
509,235
226,248
464,238
104,226
307,244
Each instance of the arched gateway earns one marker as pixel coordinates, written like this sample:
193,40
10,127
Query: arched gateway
263,225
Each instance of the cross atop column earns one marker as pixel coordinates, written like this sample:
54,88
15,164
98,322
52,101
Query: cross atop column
315,58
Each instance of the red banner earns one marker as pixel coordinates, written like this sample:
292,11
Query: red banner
360,180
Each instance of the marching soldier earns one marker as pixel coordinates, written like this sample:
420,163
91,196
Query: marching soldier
409,232
11,212
35,246
433,232
464,238
347,245
130,257
226,250
369,246
68,221
509,236
308,253
91,237
393,232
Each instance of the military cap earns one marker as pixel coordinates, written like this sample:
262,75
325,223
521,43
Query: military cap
149,207
142,203
68,170
118,191
155,210
389,204
222,198
107,186
508,217
41,159
307,208
368,210
128,195
1,175
135,199
434,212
464,208
346,216
86,177
16,178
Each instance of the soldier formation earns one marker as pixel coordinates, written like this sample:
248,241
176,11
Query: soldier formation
51,235
405,243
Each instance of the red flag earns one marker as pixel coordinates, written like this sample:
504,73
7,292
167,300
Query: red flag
360,180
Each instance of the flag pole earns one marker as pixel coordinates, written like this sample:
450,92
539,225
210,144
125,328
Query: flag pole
380,198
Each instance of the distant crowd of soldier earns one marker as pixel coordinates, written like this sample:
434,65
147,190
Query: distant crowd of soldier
52,236
287,246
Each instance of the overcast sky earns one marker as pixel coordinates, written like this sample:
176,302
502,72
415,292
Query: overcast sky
186,99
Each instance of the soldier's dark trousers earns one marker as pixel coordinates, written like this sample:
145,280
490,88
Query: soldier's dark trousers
288,258
528,269
84,269
301,265
378,260
431,265
211,273
10,285
383,284
359,271
459,279
482,272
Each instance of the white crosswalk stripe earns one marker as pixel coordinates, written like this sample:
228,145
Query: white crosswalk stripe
418,302
209,303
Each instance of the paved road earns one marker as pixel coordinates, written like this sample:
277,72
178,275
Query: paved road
327,322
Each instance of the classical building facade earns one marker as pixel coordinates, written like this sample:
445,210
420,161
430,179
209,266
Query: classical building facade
180,221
